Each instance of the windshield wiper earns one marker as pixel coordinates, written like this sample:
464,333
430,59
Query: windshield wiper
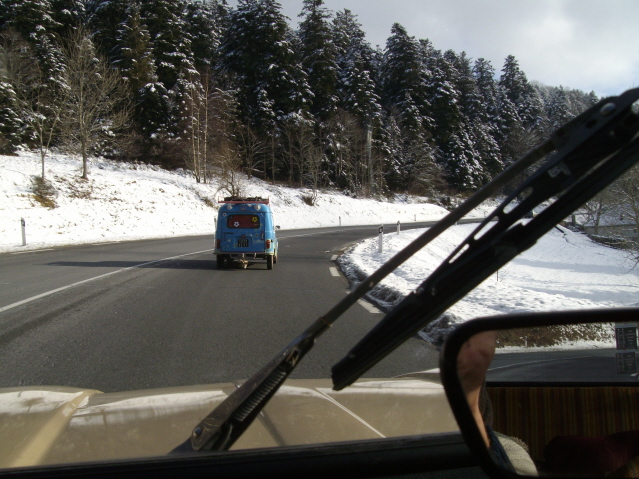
226,423
600,145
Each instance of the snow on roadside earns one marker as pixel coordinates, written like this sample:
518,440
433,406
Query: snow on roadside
124,201
564,270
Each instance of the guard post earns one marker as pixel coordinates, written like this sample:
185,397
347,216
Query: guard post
23,226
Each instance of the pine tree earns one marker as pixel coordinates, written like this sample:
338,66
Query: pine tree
558,108
521,94
257,50
445,100
205,28
404,78
484,75
33,19
357,90
151,101
11,125
172,52
69,15
104,19
319,58
484,118
454,133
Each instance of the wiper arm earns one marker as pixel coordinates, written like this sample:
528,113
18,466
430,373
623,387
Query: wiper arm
225,424
598,146
228,421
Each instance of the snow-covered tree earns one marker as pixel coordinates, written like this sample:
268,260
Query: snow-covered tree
319,54
150,98
257,49
205,24
258,53
521,94
165,20
32,95
557,108
11,125
404,79
356,87
69,15
104,18
34,20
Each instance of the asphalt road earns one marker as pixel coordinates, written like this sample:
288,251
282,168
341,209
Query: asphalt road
148,314
589,365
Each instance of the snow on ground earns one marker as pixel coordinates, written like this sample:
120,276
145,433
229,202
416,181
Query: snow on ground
122,201
564,270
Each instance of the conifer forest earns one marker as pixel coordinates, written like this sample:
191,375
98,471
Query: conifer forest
220,90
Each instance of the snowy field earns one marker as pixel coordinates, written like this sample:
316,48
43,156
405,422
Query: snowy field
565,270
122,201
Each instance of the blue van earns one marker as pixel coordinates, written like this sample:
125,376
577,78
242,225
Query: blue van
245,231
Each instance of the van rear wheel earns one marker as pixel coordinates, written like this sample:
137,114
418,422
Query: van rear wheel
220,261
269,261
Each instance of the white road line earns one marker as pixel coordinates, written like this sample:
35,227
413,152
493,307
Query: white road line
368,307
57,290
333,270
334,257
33,251
536,362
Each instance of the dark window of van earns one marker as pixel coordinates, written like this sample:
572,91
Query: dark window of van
243,221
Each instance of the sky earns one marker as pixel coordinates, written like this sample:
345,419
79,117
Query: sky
590,45
122,201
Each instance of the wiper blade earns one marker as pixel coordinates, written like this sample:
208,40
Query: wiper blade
595,148
228,421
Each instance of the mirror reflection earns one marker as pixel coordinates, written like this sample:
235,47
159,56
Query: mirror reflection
558,400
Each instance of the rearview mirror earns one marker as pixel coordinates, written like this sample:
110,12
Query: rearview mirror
547,394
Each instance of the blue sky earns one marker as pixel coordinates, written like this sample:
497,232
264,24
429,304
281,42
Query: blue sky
583,44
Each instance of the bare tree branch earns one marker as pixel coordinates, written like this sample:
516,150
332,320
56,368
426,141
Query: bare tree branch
96,107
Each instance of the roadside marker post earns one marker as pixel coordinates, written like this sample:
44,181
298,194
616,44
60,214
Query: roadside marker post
23,225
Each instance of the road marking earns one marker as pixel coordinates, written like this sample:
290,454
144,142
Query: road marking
57,290
33,251
368,307
333,271
334,257
536,362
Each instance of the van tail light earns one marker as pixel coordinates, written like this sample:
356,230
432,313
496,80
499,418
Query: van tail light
218,243
268,244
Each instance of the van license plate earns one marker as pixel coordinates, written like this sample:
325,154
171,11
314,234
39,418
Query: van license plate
242,243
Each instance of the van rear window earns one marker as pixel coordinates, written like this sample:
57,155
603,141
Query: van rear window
243,221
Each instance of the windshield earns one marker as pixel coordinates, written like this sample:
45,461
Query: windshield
128,126
243,221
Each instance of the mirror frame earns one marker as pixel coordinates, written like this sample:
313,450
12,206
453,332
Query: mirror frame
463,332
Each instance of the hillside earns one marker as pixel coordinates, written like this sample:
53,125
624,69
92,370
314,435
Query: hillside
125,201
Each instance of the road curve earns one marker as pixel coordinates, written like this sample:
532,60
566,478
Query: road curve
158,313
